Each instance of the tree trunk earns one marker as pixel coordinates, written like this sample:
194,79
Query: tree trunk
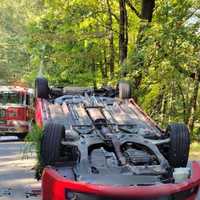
123,32
137,79
184,102
193,104
147,9
163,108
111,41
93,70
103,68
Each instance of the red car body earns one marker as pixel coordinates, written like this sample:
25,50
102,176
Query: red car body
55,187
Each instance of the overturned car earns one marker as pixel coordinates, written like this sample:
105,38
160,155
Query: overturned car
99,144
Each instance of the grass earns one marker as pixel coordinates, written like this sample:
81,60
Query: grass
195,151
33,141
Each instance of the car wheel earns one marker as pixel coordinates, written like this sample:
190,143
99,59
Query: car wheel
179,145
51,143
41,88
124,89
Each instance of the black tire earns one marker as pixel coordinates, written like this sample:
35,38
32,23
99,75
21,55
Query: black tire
179,145
51,143
22,136
124,90
41,88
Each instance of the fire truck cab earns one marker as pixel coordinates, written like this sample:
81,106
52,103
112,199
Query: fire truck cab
16,110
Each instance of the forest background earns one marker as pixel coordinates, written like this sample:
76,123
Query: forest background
98,42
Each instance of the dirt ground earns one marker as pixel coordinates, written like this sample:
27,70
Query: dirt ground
16,172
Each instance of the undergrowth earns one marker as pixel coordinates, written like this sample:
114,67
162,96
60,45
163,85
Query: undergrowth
33,142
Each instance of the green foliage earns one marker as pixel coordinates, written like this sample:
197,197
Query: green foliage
33,141
161,64
69,41
14,58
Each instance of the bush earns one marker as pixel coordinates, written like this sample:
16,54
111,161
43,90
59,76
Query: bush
33,141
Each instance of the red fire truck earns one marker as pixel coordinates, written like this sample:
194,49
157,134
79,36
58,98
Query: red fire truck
16,110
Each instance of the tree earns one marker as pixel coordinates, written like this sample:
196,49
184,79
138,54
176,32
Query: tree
165,63
89,43
123,31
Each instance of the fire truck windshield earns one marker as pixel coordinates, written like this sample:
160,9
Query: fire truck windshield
11,98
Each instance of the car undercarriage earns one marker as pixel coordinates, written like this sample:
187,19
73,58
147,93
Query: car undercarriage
102,137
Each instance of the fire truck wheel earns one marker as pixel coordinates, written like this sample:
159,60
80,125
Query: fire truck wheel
51,143
41,88
22,136
124,90
179,144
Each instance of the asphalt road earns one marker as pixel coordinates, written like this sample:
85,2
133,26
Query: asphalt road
16,171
